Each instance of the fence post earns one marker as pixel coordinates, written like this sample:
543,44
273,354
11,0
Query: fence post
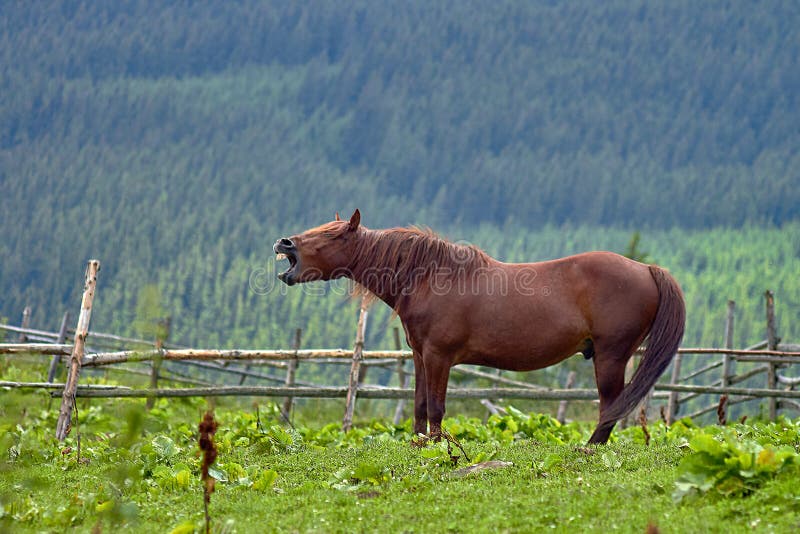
291,370
772,344
62,337
727,360
81,331
155,363
26,321
562,405
402,377
673,405
352,390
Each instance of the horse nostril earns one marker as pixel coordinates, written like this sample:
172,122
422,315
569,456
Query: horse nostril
286,242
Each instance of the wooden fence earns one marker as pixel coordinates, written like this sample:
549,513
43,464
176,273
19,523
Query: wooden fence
81,348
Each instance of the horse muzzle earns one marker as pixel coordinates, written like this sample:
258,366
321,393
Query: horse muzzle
284,248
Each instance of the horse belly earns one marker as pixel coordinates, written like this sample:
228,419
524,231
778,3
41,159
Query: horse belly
522,358
517,362
525,342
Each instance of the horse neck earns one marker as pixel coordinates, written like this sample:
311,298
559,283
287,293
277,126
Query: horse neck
375,273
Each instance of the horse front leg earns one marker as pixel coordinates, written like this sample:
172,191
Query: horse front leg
437,373
420,396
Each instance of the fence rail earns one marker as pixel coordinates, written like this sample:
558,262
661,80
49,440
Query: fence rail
331,392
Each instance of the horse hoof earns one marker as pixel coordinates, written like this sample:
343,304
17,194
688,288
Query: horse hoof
588,451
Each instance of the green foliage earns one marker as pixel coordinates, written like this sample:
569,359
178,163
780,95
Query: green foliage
265,480
364,474
140,472
729,466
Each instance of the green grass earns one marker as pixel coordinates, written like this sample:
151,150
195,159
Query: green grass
140,474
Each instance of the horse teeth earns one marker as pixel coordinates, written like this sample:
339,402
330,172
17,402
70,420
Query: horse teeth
280,256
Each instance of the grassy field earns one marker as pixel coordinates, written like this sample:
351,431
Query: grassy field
138,471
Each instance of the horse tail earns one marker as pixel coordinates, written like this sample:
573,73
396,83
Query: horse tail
665,336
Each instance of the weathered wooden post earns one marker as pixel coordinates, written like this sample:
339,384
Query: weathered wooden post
352,390
81,331
291,370
772,344
727,359
673,404
155,364
62,337
727,362
402,377
24,324
562,405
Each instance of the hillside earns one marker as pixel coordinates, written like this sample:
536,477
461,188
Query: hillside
176,143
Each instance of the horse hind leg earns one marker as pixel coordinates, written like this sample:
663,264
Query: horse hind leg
609,372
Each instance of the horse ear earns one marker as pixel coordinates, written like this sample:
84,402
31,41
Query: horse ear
337,217
355,220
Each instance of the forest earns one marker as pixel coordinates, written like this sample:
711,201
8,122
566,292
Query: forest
176,142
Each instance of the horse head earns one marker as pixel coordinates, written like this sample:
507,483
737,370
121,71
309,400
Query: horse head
321,253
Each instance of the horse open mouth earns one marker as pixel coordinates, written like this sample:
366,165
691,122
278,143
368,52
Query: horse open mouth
284,252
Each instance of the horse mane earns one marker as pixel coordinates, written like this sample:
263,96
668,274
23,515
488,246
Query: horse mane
408,257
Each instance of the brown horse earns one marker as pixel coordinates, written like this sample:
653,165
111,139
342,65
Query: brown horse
458,305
